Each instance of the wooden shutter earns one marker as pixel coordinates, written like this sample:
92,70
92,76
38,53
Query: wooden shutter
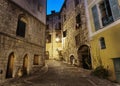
115,9
96,17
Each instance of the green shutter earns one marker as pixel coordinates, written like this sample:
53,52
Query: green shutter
96,17
115,9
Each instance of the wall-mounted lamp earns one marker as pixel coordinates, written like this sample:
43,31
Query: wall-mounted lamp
57,39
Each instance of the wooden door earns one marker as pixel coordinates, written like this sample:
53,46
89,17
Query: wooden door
25,65
10,66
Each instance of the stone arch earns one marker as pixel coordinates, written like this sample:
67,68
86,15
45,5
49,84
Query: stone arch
23,17
84,57
10,65
25,64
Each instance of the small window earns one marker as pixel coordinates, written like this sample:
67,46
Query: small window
59,26
36,60
77,39
48,39
21,28
47,27
76,2
59,16
64,33
78,21
47,18
102,43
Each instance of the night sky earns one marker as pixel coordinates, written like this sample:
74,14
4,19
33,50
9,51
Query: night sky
54,5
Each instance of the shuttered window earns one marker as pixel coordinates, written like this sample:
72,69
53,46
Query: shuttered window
96,17
21,28
115,9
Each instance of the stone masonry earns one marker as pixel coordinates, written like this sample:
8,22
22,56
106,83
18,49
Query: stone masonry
54,35
76,32
32,44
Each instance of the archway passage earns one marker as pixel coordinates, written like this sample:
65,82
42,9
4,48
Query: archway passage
84,57
10,66
25,65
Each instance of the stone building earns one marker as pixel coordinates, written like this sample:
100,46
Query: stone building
104,29
75,33
53,36
22,36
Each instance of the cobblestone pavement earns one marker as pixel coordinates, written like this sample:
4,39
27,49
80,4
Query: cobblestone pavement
60,74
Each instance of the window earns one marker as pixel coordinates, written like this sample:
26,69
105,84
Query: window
59,16
47,18
95,17
109,10
21,28
40,7
106,13
78,21
59,26
36,60
102,43
47,27
77,39
76,2
48,38
64,33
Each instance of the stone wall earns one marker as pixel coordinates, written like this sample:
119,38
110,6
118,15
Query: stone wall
32,44
69,42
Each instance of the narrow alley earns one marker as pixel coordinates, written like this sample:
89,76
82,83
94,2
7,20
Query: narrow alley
59,74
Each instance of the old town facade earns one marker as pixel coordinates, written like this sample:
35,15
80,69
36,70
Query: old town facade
22,37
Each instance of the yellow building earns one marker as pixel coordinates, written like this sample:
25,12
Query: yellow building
104,32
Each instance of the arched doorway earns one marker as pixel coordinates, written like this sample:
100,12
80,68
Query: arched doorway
84,57
25,65
72,58
10,66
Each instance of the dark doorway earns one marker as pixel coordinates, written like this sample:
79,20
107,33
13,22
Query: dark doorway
72,58
25,65
10,66
84,57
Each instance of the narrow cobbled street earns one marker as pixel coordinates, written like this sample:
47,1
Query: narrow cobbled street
60,74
